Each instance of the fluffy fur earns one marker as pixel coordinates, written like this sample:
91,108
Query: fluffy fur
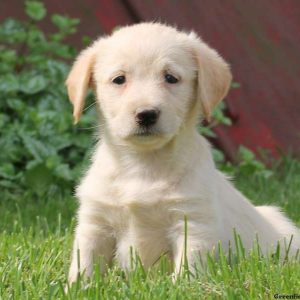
140,187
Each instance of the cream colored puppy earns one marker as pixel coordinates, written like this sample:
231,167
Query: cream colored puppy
152,168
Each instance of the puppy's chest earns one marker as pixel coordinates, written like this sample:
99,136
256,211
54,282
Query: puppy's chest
132,200
151,203
147,202
139,191
133,216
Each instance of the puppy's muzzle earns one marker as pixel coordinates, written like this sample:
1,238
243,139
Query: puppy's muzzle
147,117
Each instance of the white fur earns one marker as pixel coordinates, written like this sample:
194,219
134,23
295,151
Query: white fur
138,190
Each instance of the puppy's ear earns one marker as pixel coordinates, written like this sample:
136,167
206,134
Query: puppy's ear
80,79
214,76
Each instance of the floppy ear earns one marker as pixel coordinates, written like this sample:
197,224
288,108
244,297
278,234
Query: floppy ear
79,80
214,76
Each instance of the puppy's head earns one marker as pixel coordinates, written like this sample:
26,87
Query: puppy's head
150,79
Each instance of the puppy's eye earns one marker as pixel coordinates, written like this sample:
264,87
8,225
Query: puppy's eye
170,79
119,79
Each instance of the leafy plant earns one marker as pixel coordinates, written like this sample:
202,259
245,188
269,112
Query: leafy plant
218,118
247,165
41,150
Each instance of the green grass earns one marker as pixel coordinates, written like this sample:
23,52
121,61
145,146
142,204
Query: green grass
36,237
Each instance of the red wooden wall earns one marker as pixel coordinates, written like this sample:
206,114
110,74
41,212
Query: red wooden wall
259,38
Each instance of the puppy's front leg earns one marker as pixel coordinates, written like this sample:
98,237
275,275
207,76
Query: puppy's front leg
91,241
189,251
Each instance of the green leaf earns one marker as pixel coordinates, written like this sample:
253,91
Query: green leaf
12,31
218,155
53,161
64,23
206,131
8,56
116,28
16,104
235,85
61,141
32,84
38,178
7,171
36,148
4,119
64,51
226,121
35,10
35,38
246,154
267,173
57,69
63,171
86,40
9,83
8,184
228,168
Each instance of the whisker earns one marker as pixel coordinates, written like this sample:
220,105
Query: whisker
88,128
89,106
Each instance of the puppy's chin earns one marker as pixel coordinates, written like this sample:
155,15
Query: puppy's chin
147,141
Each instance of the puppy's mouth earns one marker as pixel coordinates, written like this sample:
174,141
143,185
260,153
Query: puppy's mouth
144,132
148,138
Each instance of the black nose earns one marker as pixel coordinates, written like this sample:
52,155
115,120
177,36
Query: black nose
147,117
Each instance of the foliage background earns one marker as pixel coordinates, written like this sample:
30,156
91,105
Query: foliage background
41,151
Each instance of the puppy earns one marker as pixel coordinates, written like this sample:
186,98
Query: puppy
152,170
